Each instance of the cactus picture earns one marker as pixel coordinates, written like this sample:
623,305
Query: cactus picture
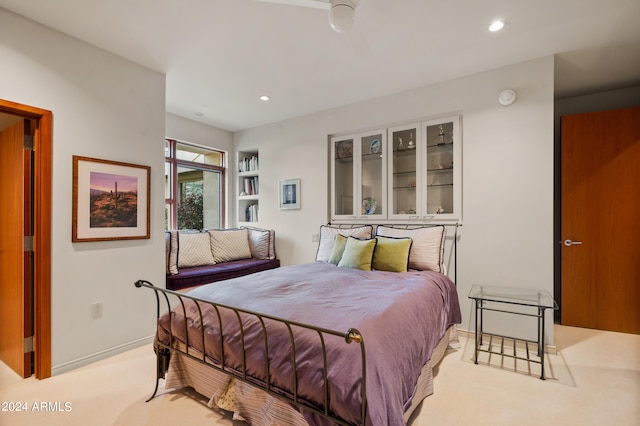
113,200
110,200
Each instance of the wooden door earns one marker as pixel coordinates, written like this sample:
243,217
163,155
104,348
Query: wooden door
600,227
12,264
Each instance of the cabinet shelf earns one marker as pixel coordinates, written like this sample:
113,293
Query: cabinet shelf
344,159
447,146
408,172
404,152
445,170
372,157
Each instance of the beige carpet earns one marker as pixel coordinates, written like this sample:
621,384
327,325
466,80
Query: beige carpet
594,379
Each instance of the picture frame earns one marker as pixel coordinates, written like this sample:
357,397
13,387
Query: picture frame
289,194
104,212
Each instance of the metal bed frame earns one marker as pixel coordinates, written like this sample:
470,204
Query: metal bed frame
163,351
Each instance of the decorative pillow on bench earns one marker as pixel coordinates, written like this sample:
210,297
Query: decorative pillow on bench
229,244
172,248
194,250
261,243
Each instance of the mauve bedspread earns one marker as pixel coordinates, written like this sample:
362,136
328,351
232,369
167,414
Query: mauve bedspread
401,316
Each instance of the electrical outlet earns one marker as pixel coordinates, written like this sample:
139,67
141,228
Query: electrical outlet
96,310
315,238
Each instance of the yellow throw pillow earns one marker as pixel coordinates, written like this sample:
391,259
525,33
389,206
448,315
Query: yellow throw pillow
358,254
392,254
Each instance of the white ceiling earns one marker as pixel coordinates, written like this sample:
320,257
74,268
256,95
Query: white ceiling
221,55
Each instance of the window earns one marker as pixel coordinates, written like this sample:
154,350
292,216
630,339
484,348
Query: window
194,186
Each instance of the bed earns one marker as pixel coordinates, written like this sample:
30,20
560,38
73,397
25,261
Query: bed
328,342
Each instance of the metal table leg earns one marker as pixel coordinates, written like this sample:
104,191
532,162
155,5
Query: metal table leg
541,341
475,355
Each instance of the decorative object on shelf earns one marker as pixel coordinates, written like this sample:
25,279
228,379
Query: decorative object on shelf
440,210
111,200
412,143
400,144
344,149
507,97
375,146
289,194
369,205
441,135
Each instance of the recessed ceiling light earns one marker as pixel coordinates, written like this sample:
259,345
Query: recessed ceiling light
199,114
264,98
496,26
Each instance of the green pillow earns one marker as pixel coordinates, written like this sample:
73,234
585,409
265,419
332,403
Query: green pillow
338,248
392,254
358,254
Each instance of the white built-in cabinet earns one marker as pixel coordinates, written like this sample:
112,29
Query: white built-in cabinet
406,173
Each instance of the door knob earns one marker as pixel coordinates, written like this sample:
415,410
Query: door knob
570,243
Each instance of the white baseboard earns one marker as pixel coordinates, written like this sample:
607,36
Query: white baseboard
85,360
548,349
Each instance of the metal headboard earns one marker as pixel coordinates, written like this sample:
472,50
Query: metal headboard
455,227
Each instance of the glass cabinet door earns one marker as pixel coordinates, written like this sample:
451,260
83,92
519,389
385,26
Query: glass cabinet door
404,155
372,197
408,173
441,170
342,150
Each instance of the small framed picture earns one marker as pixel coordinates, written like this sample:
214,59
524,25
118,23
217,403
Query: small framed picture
290,194
110,200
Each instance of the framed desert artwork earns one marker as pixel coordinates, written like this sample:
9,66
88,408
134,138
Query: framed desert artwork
110,200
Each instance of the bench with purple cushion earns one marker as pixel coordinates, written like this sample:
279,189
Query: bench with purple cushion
201,257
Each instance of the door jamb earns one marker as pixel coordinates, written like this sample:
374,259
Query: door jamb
42,174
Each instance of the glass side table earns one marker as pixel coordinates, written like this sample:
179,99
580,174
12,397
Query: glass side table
490,298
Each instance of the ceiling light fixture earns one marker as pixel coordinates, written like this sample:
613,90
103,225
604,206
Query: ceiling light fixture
265,98
496,26
342,14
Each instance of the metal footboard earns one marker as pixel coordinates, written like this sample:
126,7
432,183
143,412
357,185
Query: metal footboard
164,350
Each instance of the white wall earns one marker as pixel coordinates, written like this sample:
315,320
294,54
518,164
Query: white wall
507,236
104,107
185,130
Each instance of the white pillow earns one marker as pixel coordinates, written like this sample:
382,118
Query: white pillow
230,244
427,250
194,250
328,236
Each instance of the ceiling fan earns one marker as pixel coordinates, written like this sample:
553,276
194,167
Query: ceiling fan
342,13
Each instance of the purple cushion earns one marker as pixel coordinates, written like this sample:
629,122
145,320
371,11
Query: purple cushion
198,275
